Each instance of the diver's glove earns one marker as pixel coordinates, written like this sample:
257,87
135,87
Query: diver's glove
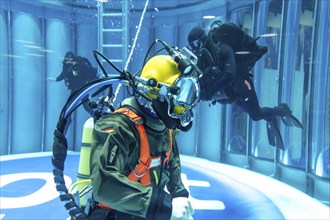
208,82
182,209
225,101
214,80
53,79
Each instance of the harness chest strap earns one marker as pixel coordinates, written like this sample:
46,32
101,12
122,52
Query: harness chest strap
141,171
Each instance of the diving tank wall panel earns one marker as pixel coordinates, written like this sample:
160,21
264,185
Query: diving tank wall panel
142,44
289,66
56,92
258,129
320,77
4,84
207,128
85,34
261,25
290,48
27,83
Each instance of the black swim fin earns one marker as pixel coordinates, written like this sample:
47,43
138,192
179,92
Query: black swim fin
274,135
287,117
291,120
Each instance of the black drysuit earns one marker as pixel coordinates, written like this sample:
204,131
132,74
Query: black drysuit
225,81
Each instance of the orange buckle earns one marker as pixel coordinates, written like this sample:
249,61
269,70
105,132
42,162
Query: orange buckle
141,169
103,206
140,173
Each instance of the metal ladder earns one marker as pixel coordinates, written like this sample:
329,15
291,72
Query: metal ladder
113,31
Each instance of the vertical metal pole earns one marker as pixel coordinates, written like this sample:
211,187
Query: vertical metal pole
198,110
125,35
10,79
125,31
248,127
100,30
1,75
276,173
43,72
75,113
309,188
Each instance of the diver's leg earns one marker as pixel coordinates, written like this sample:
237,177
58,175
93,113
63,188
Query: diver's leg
248,100
251,106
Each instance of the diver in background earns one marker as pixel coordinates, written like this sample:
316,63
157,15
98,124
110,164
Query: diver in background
227,77
76,72
128,183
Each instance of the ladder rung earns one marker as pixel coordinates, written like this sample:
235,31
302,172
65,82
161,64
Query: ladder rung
112,45
114,60
113,14
112,74
113,30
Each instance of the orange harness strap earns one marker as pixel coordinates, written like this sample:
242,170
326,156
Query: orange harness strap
141,171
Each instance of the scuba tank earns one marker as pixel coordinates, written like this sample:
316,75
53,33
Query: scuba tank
81,189
83,169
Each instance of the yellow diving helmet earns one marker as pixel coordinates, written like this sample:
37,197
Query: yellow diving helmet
164,82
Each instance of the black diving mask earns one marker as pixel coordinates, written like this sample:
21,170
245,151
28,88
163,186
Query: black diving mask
196,44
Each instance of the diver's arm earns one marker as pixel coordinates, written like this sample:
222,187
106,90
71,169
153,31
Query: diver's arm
60,77
228,59
228,67
111,155
64,72
175,185
181,204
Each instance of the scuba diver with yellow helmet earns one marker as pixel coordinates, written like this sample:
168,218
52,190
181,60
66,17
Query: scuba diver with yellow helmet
134,154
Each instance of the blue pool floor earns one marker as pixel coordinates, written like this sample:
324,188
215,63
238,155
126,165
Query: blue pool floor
218,191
